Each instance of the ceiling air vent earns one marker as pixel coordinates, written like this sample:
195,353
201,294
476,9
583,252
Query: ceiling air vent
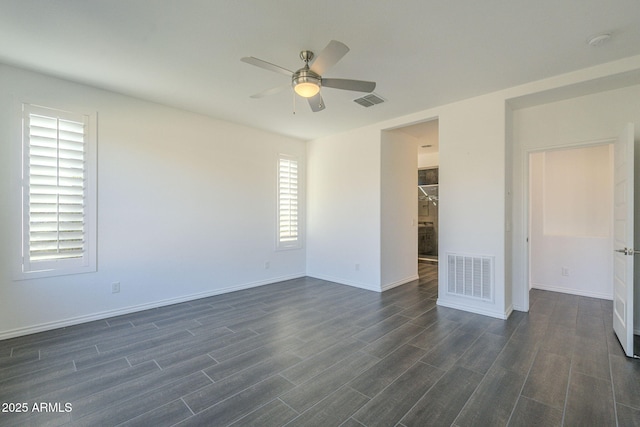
369,100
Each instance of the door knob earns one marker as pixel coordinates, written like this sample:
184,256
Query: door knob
627,251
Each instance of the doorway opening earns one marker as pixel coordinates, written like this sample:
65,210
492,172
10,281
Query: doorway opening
574,220
428,214
571,220
425,136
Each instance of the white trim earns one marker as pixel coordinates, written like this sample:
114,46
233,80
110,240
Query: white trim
475,309
340,281
571,291
399,283
141,307
365,286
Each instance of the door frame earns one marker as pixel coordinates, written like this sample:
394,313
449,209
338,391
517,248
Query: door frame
525,281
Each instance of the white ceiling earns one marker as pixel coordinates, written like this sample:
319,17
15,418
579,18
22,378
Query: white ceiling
421,53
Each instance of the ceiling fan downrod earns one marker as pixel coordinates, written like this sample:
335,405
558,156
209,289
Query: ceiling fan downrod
305,82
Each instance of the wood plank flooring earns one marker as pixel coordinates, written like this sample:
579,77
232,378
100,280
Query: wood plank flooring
308,352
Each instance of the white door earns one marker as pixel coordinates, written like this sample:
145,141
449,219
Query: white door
623,240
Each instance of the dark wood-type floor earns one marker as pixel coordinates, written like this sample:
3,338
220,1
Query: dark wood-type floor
312,353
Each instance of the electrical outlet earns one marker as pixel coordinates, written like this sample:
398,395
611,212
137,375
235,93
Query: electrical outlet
565,271
267,264
115,287
357,267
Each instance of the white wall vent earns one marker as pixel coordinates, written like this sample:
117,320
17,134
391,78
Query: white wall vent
470,276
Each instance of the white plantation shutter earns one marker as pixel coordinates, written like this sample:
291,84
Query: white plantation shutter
55,190
288,213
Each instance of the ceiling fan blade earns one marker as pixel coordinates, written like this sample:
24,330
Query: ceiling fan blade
266,65
329,56
346,84
316,103
271,91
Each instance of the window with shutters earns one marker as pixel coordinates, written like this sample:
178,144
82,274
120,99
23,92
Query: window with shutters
58,193
288,209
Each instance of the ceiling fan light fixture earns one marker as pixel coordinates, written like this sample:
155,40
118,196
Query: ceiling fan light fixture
306,83
307,89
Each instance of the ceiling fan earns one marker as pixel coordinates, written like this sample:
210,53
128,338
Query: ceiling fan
307,81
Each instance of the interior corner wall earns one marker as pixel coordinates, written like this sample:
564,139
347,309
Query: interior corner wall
399,209
508,211
186,207
428,160
343,208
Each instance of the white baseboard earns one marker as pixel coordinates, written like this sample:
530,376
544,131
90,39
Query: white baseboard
474,309
141,307
399,283
519,308
508,311
365,285
341,281
572,291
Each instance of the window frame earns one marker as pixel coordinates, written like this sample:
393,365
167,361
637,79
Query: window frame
25,268
297,242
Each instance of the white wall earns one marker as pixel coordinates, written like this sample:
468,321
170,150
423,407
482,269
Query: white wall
186,207
428,160
343,210
471,208
399,209
571,205
472,194
430,137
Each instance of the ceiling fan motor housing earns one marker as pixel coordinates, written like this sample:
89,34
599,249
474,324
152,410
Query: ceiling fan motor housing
305,75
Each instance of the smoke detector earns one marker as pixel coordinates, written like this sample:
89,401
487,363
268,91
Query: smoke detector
599,39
